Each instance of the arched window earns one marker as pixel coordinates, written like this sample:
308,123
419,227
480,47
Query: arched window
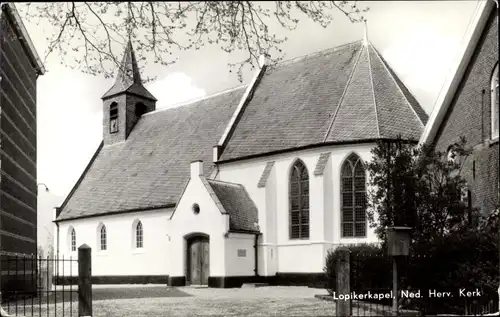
353,190
113,118
72,239
299,201
103,238
140,109
494,104
139,237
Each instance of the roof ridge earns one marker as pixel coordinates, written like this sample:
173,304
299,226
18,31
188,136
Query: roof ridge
313,54
342,96
373,86
193,101
392,74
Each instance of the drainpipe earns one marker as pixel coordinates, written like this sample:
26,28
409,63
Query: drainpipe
498,189
57,212
256,246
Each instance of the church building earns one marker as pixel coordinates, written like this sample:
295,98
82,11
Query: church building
253,184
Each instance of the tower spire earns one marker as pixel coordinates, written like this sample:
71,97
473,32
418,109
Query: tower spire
128,77
365,36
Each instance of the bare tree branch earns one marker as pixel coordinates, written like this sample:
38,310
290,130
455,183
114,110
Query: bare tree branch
93,31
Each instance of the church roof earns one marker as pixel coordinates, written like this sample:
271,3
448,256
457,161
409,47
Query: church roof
348,93
128,78
235,200
149,169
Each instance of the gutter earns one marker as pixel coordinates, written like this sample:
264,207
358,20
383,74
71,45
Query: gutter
308,147
498,38
166,206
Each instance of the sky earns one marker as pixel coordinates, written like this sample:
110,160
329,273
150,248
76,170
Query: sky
419,39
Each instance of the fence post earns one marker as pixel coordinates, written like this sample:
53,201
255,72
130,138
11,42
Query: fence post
344,306
84,281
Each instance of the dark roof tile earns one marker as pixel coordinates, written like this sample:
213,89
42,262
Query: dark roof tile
243,214
149,169
341,94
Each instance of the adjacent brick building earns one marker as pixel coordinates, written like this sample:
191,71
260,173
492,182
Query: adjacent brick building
20,67
468,107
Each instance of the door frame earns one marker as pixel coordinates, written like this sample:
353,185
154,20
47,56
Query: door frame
189,239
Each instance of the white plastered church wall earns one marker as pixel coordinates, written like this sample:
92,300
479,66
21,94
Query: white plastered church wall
121,258
324,207
209,221
240,255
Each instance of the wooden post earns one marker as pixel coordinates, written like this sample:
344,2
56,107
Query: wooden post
344,307
84,281
394,286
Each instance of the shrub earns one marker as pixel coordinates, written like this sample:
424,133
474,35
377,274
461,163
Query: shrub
369,268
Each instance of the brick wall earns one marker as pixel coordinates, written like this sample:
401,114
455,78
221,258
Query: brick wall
18,183
469,115
126,116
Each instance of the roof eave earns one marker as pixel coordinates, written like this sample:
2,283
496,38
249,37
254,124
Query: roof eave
310,146
82,176
108,95
445,97
33,55
110,213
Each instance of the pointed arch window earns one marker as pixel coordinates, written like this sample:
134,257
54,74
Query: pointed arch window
103,239
113,118
353,192
139,236
299,201
140,109
73,239
495,98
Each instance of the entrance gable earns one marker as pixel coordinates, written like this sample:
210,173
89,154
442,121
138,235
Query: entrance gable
198,209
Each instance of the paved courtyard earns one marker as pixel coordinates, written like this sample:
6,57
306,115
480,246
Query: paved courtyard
262,301
141,300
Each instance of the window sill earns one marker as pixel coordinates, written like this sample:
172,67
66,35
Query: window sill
138,251
352,240
298,241
493,141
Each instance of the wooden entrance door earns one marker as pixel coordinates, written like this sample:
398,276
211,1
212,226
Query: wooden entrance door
199,265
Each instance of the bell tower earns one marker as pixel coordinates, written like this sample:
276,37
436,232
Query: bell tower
126,101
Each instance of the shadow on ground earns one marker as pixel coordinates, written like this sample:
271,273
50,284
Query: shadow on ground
98,293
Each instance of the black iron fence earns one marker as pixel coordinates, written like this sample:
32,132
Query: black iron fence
424,288
30,288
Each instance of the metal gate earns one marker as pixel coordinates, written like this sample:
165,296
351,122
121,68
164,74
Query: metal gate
49,286
371,289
